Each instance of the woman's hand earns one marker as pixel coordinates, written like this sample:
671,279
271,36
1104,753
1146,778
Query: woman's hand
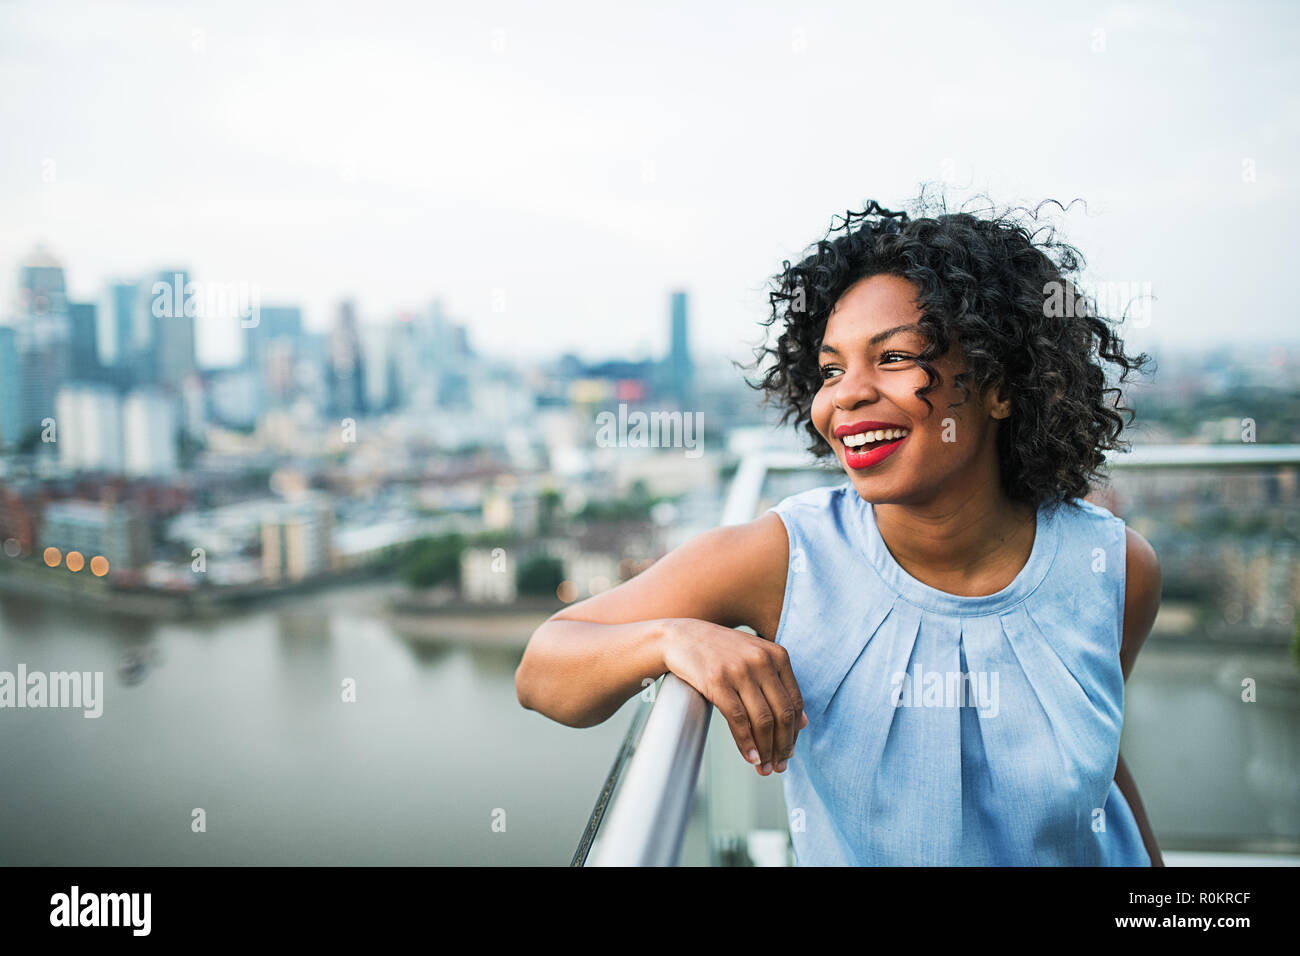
748,679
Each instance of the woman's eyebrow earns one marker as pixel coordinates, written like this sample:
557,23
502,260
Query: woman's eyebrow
877,338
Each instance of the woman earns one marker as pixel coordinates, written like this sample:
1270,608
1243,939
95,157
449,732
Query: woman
946,633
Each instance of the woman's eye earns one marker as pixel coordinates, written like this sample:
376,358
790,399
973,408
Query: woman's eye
826,370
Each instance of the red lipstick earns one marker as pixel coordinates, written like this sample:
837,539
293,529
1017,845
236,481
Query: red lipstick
858,427
865,456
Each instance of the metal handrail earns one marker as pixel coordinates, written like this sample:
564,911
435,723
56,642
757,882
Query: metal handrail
621,759
1221,455
648,819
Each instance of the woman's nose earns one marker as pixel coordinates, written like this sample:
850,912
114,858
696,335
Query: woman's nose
855,387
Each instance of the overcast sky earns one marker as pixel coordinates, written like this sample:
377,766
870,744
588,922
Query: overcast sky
584,159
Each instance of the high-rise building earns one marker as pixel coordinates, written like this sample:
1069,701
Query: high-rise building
274,323
99,430
172,311
415,388
84,364
89,432
681,374
44,334
121,300
272,350
41,289
141,357
443,361
310,381
345,370
149,427
381,346
11,392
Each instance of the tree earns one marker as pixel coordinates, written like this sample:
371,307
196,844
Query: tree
540,575
549,510
434,561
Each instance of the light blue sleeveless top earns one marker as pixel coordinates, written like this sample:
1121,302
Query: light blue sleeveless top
950,730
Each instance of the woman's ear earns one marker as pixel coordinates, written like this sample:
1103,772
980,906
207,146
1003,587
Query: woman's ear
1000,405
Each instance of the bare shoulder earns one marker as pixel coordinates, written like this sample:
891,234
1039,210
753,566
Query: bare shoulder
1141,596
732,575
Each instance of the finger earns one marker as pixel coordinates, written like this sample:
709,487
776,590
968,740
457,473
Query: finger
762,720
734,712
784,672
784,711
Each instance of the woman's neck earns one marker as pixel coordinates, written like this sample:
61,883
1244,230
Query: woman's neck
972,542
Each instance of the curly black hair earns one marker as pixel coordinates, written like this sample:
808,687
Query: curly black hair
986,284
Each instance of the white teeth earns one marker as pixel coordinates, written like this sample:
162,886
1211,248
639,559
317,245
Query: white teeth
880,434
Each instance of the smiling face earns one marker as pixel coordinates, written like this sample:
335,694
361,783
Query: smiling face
869,375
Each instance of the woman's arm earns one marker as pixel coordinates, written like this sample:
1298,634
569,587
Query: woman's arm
581,672
680,615
1141,602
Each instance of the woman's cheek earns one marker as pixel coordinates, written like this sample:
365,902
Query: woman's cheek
820,413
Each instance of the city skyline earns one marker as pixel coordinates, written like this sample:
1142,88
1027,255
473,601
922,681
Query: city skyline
233,352
571,180
1283,348
109,378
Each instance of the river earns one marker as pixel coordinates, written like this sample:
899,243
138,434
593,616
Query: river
435,762
244,719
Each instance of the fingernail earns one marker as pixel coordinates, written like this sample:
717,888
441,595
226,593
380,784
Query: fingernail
767,768
780,767
752,756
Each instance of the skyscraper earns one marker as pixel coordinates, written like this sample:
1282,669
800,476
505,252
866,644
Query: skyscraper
148,429
90,427
380,344
84,365
41,285
274,322
120,302
681,374
11,393
172,329
344,368
43,341
272,349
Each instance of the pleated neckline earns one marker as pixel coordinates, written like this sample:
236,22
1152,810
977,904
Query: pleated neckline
1047,535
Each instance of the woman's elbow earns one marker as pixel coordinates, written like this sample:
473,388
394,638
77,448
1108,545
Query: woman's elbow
524,679
520,694
531,683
